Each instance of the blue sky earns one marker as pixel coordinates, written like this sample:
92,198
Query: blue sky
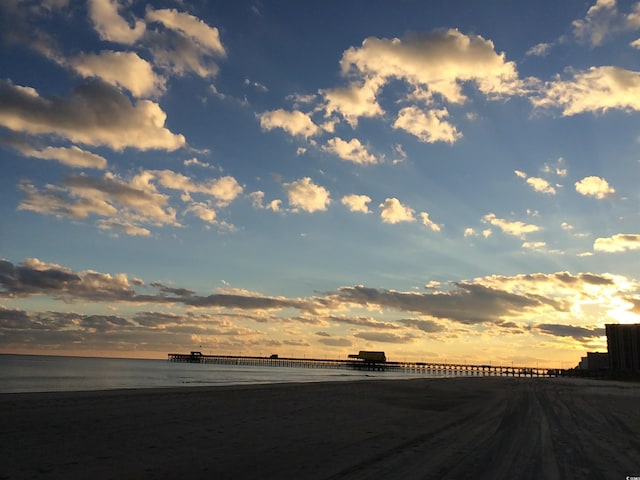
453,181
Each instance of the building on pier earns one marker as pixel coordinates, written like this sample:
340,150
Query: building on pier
368,356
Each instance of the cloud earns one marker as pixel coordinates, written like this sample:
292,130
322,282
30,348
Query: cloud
304,195
468,303
558,168
257,199
354,101
352,150
633,18
617,243
257,85
384,337
595,90
22,31
224,189
195,161
577,333
54,330
357,203
597,24
71,156
540,50
202,211
528,304
183,292
428,326
538,184
138,194
429,126
129,206
183,44
334,342
179,56
401,154
434,67
122,69
60,202
126,205
392,211
124,226
541,185
364,322
111,26
34,277
295,123
427,222
94,114
205,36
516,229
534,245
498,298
596,187
441,61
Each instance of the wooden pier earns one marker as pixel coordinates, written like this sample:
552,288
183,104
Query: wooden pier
434,369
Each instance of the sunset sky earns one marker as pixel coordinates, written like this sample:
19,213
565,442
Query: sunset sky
444,181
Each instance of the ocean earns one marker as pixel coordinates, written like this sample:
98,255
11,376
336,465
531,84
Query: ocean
40,373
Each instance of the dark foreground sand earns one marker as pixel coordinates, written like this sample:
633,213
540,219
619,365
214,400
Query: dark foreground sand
475,428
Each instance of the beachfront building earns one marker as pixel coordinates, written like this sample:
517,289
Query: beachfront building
594,361
623,343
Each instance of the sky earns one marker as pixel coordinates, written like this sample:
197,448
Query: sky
444,181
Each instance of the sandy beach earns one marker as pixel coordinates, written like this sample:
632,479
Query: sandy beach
459,428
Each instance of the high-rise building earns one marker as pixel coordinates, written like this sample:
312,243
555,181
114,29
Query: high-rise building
623,343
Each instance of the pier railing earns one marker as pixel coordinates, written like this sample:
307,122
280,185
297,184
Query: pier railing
437,369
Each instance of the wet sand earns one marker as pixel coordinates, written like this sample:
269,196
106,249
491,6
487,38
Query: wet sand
459,428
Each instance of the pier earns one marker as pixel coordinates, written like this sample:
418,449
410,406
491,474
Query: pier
435,369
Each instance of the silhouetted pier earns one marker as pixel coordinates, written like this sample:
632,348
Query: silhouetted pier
435,369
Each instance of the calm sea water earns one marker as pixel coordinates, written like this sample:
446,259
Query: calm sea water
35,373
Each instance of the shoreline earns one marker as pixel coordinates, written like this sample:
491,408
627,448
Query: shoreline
456,427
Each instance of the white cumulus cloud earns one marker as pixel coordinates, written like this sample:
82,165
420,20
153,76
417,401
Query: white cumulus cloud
427,222
305,195
514,228
207,37
352,150
295,123
392,211
428,126
357,203
94,114
224,189
596,187
595,90
617,243
123,69
111,26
